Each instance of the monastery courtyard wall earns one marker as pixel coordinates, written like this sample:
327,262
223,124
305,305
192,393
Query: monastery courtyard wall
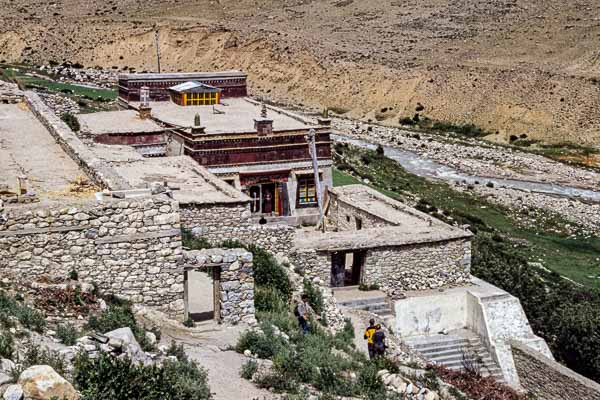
130,248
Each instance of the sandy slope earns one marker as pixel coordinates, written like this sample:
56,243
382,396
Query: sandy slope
515,66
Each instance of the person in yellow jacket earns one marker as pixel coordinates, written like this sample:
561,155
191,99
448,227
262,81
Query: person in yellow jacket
368,336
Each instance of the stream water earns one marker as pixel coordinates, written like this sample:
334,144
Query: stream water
425,167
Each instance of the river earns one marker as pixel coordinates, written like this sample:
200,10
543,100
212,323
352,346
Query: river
425,167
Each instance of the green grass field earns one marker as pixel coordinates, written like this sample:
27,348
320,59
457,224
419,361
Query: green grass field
576,258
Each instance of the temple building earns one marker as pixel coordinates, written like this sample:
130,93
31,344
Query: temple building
194,94
231,83
262,151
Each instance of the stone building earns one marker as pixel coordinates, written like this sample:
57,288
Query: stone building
371,239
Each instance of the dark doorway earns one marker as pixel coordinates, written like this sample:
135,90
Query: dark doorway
346,268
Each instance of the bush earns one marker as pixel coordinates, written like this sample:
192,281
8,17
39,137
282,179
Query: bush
264,344
407,121
189,323
67,334
28,317
119,315
249,368
315,297
73,275
71,121
380,150
268,272
35,355
6,345
102,378
269,300
177,351
194,242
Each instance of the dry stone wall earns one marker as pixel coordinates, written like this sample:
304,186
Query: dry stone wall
236,284
418,266
218,223
344,217
400,268
131,248
546,379
97,170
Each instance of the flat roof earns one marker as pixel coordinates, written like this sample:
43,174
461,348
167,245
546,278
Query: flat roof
193,85
235,115
124,121
196,185
28,149
406,225
183,75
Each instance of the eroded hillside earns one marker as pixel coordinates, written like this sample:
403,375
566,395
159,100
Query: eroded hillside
512,66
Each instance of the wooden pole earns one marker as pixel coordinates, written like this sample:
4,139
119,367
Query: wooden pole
313,153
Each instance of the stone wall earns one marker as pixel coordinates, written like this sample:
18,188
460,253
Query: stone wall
418,266
236,284
546,379
218,223
400,268
343,217
97,170
131,248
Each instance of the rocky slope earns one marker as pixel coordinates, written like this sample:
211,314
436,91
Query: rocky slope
513,66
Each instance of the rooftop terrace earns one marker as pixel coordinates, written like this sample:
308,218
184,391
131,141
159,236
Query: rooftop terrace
235,115
125,121
28,149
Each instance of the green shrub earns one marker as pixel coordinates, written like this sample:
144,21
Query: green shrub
268,272
264,344
6,345
267,299
73,275
36,355
315,297
71,121
177,350
369,383
232,244
249,368
194,242
28,317
102,378
67,334
119,315
189,322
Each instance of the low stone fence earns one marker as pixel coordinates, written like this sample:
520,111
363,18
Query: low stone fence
218,223
131,248
546,379
97,170
236,281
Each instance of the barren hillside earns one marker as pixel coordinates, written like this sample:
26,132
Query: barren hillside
512,66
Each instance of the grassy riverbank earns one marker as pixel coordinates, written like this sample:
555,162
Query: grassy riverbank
577,258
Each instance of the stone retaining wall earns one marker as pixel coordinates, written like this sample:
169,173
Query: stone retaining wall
418,266
400,268
218,223
236,285
546,379
97,170
131,248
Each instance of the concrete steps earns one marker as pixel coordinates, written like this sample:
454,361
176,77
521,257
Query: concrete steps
376,304
454,352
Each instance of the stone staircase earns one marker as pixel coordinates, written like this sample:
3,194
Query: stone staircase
371,301
455,351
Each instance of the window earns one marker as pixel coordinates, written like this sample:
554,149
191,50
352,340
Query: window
358,224
307,192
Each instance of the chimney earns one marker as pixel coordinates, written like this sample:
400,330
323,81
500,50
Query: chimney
197,129
145,112
262,124
323,119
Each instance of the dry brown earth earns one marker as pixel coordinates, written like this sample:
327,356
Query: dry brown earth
513,66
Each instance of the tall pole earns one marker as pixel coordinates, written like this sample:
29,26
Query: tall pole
157,49
313,153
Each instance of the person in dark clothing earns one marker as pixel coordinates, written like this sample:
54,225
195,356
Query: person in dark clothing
368,336
302,312
379,342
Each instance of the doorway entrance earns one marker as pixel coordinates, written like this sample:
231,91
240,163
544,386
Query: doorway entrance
346,268
201,293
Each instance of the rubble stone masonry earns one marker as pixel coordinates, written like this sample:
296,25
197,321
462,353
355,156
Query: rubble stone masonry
546,379
218,223
418,266
131,248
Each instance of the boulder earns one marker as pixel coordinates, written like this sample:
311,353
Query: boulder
41,382
6,365
151,338
13,392
124,340
5,378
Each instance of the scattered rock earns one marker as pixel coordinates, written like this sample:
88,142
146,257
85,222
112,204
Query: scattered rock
41,382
